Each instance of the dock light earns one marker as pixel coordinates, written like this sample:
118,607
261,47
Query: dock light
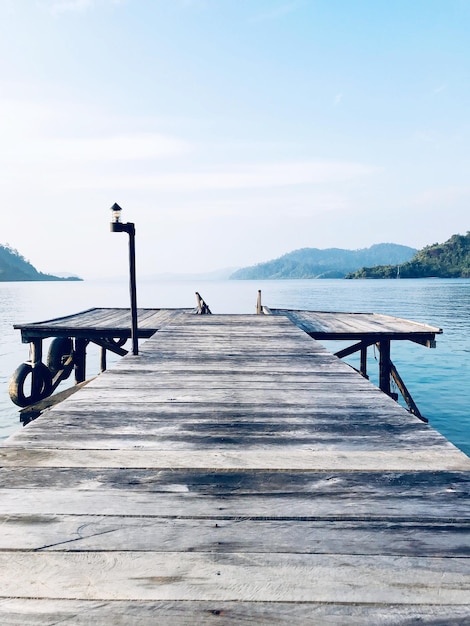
116,213
118,227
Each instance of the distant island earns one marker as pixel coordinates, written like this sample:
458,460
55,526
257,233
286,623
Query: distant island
327,263
14,267
446,260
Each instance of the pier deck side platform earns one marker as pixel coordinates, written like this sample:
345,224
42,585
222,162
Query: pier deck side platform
233,472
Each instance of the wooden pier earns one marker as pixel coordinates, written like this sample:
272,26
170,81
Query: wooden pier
234,472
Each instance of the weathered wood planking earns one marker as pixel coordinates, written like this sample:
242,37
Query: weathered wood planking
100,322
278,577
337,325
307,536
143,613
234,472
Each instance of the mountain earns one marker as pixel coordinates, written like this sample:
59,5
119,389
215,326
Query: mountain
327,263
14,267
446,260
220,274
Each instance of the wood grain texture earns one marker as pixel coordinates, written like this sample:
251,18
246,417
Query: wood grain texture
355,324
34,612
233,472
234,576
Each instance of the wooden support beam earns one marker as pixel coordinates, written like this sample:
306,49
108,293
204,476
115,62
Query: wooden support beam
37,380
364,359
33,411
80,359
112,345
424,341
405,393
354,348
36,352
384,365
102,359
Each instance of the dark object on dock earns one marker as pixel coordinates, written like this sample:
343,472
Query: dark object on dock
202,307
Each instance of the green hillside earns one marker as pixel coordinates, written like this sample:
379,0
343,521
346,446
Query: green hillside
14,267
447,260
327,263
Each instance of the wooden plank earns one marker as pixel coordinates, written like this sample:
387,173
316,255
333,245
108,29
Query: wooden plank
356,325
442,458
186,499
152,533
234,576
437,489
34,612
102,322
305,444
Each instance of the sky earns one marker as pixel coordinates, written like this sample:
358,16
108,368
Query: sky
230,131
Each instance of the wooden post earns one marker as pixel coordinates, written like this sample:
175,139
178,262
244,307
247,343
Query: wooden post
259,309
202,307
384,365
102,359
36,361
364,360
80,359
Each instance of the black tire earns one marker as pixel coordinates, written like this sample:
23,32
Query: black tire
59,350
18,379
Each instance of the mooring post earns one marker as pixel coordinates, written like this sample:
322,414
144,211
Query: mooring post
202,307
258,303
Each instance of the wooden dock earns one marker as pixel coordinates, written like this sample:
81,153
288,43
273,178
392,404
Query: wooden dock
234,472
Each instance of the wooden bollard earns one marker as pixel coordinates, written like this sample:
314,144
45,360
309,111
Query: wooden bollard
202,307
259,309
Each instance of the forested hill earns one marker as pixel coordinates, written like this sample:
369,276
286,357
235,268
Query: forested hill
14,267
327,263
446,260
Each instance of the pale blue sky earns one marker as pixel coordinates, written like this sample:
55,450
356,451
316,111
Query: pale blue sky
230,131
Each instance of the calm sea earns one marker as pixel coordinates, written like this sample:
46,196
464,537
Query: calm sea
437,379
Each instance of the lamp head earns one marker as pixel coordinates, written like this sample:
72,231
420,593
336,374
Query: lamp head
116,213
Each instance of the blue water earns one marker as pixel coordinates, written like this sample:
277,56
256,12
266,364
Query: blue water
437,379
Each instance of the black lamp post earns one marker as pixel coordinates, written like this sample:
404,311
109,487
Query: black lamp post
118,227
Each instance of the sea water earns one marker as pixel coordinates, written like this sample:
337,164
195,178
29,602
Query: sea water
437,379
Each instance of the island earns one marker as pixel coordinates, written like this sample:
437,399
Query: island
450,259
14,267
326,263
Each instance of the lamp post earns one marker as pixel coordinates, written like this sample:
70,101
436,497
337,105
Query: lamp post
118,227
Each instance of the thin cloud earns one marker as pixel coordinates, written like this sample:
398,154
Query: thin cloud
338,99
441,196
130,147
425,136
58,7
439,89
255,176
278,12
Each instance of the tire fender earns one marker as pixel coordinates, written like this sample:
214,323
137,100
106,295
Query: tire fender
18,379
